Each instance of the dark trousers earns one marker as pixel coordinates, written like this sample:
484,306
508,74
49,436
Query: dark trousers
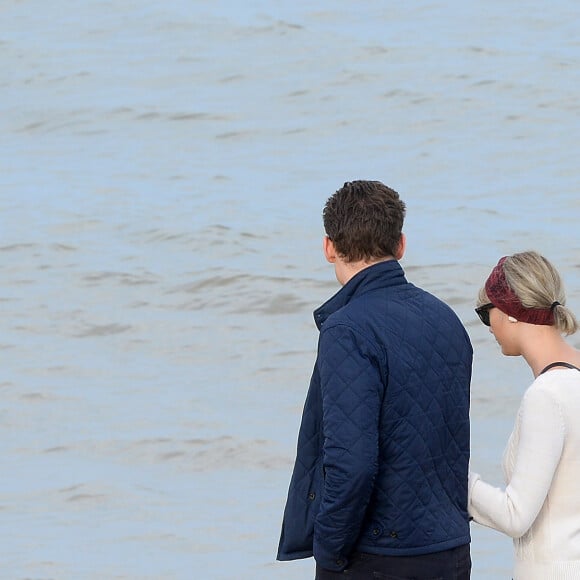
452,564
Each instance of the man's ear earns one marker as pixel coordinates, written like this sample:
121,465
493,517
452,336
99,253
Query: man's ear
402,246
329,249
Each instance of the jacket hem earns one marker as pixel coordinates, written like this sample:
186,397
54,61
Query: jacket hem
286,557
417,551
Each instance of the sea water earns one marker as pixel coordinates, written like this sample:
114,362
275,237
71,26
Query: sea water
163,170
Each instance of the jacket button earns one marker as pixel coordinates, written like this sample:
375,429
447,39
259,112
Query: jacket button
340,562
376,532
394,535
311,496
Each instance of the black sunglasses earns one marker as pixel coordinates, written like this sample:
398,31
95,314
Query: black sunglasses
483,312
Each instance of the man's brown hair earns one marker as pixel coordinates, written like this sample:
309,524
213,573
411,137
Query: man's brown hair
364,220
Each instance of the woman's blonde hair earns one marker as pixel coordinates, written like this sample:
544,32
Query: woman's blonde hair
537,284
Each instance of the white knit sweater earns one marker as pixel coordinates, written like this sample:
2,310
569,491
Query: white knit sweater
540,507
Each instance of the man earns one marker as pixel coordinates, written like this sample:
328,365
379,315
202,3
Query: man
379,488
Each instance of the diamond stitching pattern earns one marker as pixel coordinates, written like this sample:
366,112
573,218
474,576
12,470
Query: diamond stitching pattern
419,429
434,352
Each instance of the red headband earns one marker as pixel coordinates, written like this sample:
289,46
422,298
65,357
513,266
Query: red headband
503,297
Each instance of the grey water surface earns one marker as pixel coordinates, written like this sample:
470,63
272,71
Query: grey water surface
163,169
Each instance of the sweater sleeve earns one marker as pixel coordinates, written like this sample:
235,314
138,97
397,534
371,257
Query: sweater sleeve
542,432
352,391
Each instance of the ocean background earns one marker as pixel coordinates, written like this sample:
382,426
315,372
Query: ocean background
163,170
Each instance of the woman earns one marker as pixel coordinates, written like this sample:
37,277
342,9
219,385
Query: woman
523,303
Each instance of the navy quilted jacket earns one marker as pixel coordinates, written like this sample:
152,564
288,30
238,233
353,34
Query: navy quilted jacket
383,448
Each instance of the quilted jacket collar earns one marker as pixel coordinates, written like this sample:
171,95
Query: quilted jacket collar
381,275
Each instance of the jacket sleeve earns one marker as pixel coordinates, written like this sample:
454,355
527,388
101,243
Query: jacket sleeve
513,510
352,391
